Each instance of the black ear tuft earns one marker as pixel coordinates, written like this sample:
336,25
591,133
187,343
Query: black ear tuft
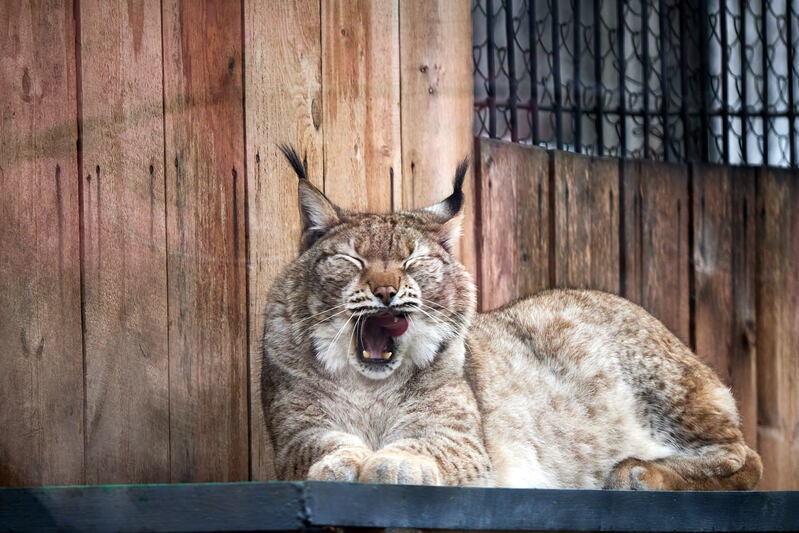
455,200
300,166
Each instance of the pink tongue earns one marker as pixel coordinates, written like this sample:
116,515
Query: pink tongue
377,331
394,325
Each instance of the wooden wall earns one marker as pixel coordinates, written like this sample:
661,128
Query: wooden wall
712,251
146,211
146,208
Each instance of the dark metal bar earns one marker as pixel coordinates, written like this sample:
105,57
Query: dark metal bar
513,99
622,80
764,59
791,77
725,59
532,31
558,90
686,133
647,72
578,115
191,507
480,104
704,48
312,505
492,73
598,84
664,76
744,68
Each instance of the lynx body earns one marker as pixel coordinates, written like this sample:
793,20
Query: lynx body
377,369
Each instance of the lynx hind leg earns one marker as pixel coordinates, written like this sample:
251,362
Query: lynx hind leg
683,473
710,452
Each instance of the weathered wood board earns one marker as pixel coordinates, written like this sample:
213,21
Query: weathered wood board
41,361
778,327
586,218
654,243
205,215
513,222
124,252
724,231
437,98
361,104
283,96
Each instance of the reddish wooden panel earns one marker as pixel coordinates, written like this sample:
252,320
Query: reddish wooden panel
125,293
724,286
654,245
361,104
41,362
437,95
778,327
283,105
513,222
586,214
205,239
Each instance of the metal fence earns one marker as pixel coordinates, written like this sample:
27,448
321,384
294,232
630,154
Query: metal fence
688,80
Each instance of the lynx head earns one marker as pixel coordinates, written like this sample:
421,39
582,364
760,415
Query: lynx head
379,293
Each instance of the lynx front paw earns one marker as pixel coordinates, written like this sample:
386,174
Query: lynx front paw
344,465
396,467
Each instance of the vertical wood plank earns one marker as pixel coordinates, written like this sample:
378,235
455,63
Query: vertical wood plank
437,98
41,362
586,197
283,105
514,222
361,104
778,328
204,127
724,287
655,241
125,293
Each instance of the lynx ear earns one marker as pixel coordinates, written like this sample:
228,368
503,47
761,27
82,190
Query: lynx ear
449,212
318,214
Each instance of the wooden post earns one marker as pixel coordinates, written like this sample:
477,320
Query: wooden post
41,366
205,181
283,95
125,290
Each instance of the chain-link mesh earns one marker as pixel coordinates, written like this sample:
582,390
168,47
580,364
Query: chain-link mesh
659,79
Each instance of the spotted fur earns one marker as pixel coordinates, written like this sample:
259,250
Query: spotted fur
565,389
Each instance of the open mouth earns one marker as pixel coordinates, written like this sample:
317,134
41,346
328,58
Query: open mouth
376,337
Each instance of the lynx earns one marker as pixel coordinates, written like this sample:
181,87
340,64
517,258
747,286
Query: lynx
377,369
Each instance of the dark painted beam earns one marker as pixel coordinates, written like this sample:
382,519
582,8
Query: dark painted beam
297,506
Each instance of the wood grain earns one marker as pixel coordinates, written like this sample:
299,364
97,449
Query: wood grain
125,292
724,288
41,368
437,97
778,328
586,215
513,221
655,217
204,127
283,96
361,104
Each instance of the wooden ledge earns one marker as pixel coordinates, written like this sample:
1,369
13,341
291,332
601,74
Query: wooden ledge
311,505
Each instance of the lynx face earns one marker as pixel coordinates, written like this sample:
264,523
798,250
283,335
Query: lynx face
383,292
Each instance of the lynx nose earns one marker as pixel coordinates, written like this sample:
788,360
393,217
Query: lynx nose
385,293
